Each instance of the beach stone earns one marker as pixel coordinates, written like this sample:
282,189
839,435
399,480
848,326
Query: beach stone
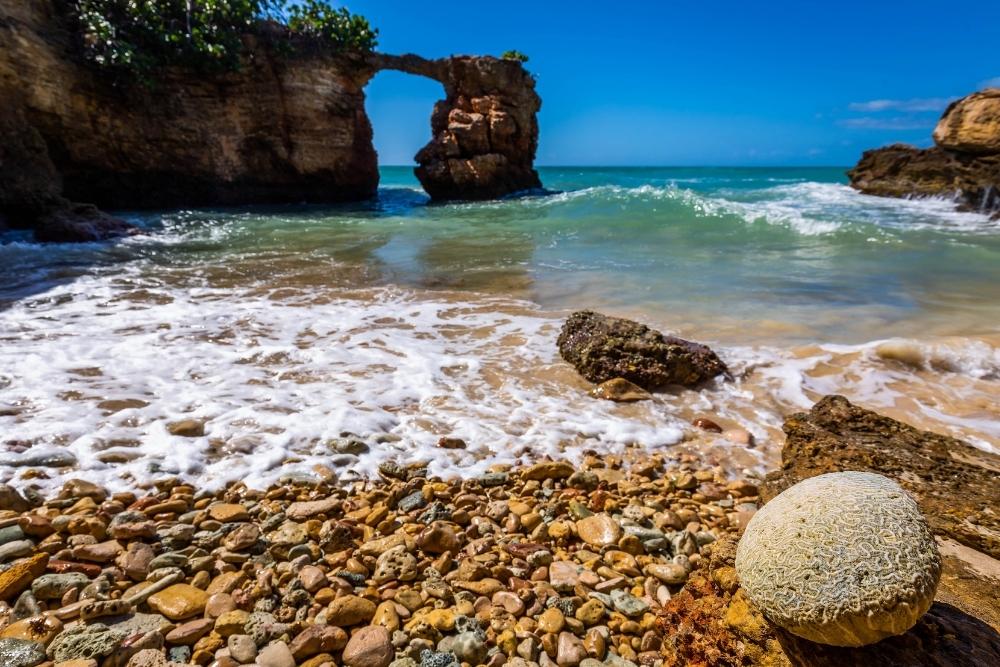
179,602
318,639
187,428
590,612
17,549
628,604
620,390
570,650
243,537
370,646
844,559
467,646
438,538
564,575
131,526
396,564
21,653
603,348
19,576
551,620
86,641
102,552
669,573
149,657
242,648
11,534
228,512
350,610
41,629
599,530
54,586
275,655
548,470
304,510
190,632
231,622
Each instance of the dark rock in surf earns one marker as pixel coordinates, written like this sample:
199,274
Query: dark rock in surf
602,348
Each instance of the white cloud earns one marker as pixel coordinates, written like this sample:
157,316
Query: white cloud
915,105
990,83
890,123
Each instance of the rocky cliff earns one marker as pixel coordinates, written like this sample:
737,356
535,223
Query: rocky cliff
280,129
964,163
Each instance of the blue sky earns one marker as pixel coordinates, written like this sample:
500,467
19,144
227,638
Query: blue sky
700,82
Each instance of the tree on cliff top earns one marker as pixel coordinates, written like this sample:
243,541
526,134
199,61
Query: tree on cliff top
140,37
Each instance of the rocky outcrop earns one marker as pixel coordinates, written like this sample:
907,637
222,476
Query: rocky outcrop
954,483
955,487
602,348
964,163
282,128
485,130
971,124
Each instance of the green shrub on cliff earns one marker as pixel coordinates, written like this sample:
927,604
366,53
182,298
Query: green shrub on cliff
514,54
337,27
140,36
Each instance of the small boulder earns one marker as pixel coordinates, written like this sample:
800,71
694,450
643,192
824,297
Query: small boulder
603,348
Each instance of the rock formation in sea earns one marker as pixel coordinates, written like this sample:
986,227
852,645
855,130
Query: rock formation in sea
964,163
283,128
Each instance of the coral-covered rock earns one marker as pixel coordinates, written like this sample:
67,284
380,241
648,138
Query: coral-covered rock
844,559
602,348
971,124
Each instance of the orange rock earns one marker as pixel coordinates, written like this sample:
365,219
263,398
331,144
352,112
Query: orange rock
21,574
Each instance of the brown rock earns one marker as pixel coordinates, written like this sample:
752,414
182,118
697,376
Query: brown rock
369,647
350,610
599,530
188,633
620,390
439,538
971,124
187,428
602,348
317,639
179,602
102,552
228,512
955,484
549,470
301,511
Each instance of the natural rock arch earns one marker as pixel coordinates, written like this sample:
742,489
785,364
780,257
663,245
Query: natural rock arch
484,133
281,129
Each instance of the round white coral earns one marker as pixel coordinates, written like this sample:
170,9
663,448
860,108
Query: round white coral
844,559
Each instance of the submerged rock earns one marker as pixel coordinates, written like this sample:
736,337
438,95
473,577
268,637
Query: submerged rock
620,390
843,559
603,348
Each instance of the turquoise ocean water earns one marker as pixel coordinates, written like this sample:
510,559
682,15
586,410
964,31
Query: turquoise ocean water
284,326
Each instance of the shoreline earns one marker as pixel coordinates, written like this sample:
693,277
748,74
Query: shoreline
605,560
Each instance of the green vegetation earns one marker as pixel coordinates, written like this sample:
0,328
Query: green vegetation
514,55
140,36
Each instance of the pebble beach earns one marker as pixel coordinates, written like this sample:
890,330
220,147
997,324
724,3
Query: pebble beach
555,563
